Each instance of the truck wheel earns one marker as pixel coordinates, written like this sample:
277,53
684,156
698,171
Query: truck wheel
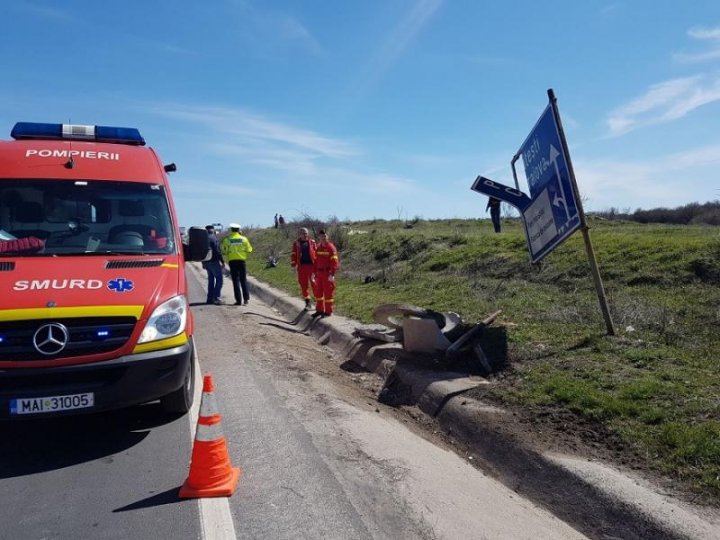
181,399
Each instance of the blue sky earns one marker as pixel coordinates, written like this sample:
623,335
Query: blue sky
389,109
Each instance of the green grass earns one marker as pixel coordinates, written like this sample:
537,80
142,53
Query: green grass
656,384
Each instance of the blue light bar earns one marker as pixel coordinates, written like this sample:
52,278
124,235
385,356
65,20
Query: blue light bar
118,135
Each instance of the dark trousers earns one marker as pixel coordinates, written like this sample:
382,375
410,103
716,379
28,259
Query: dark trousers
215,280
238,274
495,217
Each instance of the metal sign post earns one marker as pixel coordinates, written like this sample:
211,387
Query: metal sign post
583,223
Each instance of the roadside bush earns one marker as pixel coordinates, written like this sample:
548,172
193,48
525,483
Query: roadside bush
708,213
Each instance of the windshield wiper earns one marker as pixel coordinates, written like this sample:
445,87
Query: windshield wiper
23,253
120,252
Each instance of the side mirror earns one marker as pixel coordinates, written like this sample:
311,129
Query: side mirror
198,244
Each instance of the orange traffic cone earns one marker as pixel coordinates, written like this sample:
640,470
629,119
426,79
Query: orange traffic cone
211,474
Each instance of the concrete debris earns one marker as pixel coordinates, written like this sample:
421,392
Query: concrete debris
393,316
420,329
387,335
427,331
423,335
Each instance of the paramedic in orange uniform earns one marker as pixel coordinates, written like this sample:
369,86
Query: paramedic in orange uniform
302,260
327,264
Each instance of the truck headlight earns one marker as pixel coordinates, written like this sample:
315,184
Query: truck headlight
168,320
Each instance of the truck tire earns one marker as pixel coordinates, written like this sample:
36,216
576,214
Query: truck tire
180,401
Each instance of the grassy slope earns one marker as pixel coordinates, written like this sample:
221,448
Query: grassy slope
656,385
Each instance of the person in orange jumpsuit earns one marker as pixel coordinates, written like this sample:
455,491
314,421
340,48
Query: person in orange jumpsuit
327,264
302,259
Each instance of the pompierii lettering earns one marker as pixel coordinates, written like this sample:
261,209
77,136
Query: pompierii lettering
67,154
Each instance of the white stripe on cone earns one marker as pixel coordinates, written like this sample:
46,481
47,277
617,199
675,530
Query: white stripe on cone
209,433
208,405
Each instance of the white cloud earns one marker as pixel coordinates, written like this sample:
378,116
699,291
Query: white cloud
343,180
705,33
670,181
406,31
697,57
397,42
664,102
675,98
211,190
698,97
236,126
702,34
611,9
302,159
48,12
383,183
264,29
292,30
289,160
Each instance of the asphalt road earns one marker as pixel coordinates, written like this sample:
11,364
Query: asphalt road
319,458
102,476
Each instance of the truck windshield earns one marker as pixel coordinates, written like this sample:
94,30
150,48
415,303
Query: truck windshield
69,217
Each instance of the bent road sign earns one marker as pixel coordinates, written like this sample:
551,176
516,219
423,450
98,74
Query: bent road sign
500,191
553,213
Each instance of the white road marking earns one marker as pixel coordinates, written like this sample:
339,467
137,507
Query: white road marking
215,518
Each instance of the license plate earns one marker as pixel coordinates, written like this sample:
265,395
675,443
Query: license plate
51,403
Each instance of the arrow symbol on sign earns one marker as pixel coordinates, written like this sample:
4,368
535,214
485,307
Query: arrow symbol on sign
558,200
553,157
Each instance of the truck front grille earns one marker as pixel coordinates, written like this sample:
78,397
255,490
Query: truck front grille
86,336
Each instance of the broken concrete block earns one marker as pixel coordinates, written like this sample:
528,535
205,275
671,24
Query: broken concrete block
423,335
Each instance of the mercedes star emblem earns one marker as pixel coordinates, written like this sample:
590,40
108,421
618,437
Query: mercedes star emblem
51,338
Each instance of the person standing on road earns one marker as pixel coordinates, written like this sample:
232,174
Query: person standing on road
327,264
302,259
214,268
494,206
235,248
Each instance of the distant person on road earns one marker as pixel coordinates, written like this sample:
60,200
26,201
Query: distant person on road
327,263
494,206
281,221
276,221
214,268
302,259
235,248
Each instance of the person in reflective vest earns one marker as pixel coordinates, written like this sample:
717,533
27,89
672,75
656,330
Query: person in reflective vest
302,259
235,249
327,264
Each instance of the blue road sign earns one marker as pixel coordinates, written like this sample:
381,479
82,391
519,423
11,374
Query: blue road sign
552,214
500,191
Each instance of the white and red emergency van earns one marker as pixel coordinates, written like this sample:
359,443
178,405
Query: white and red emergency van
94,313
